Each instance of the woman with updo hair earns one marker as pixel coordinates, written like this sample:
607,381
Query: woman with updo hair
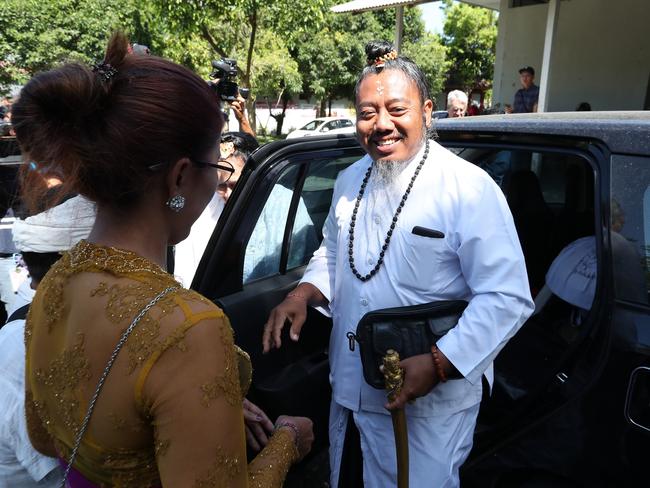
139,136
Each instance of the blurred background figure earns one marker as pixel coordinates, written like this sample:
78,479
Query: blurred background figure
527,96
583,107
456,104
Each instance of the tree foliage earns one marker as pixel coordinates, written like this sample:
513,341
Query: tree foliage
38,34
331,59
283,48
470,35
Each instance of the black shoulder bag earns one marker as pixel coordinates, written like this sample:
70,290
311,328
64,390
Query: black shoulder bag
408,330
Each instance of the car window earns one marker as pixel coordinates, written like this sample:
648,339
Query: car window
551,197
264,249
630,225
311,125
346,123
330,126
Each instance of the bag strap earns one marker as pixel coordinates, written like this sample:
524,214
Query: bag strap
100,384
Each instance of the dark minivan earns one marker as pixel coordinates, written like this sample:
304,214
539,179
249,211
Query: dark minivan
571,400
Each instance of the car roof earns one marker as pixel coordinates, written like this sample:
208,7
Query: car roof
623,132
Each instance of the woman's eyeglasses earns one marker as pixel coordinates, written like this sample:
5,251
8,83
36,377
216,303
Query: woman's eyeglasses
223,166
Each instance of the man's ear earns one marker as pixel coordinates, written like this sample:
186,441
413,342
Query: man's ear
428,110
178,176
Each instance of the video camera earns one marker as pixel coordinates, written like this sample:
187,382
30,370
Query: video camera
225,72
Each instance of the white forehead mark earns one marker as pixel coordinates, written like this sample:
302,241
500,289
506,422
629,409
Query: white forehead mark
380,88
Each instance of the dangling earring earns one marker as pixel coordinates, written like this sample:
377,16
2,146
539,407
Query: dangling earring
176,203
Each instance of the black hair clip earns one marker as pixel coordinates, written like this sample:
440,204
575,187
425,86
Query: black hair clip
104,70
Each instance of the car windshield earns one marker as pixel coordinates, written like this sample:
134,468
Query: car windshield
312,125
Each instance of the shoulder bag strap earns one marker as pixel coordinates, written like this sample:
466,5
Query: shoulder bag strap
100,384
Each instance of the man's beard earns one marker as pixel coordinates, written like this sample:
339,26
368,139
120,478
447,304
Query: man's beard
385,172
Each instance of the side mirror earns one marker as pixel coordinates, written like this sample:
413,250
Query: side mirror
325,129
637,403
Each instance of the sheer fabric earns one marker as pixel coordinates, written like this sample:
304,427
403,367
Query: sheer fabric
170,412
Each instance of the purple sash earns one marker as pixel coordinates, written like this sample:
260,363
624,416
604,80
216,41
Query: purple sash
75,478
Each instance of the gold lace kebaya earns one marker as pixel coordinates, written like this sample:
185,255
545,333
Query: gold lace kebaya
170,412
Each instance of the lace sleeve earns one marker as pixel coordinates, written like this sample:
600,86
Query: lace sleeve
193,395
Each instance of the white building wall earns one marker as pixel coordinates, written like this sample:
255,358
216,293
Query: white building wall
601,56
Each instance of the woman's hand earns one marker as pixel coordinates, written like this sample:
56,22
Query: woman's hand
258,426
303,430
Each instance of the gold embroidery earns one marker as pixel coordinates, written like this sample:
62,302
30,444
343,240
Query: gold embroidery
63,377
223,470
270,467
227,383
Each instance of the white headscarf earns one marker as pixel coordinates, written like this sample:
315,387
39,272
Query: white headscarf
56,229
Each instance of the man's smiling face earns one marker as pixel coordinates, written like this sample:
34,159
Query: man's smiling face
391,118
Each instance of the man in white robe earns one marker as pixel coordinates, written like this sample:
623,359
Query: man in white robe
469,251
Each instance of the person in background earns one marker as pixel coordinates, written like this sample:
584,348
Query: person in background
456,104
527,96
239,109
235,148
262,255
473,109
583,107
40,239
138,136
372,258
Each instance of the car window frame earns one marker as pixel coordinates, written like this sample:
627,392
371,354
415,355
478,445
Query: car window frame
256,183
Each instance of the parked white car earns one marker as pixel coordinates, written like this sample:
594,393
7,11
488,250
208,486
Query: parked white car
323,126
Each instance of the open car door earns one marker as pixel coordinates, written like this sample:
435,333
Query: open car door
269,229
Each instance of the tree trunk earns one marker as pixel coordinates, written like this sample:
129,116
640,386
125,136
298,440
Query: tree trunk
321,111
329,107
280,118
246,79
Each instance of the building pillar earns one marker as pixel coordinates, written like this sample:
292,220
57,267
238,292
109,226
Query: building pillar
399,28
549,41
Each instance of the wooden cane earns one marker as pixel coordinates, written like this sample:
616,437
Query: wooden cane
394,378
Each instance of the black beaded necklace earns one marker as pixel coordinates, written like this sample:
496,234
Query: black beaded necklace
389,234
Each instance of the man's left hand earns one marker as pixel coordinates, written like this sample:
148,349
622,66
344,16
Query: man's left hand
258,426
419,379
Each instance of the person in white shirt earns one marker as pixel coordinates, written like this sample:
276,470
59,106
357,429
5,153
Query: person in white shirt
371,258
262,257
39,239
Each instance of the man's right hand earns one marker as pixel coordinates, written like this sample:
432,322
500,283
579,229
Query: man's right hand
294,309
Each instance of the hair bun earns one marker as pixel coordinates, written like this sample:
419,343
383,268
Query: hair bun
117,50
379,51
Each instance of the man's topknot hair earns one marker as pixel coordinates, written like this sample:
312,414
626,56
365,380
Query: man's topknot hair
381,55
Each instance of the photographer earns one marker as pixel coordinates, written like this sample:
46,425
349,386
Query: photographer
239,109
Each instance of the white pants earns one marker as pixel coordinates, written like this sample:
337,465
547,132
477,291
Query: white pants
438,446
